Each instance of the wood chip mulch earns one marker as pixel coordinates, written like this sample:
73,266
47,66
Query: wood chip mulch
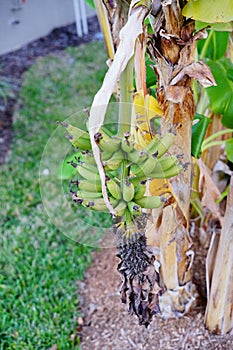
106,325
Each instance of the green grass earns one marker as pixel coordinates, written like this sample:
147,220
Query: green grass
39,265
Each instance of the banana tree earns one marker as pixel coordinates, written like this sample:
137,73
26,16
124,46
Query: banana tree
142,174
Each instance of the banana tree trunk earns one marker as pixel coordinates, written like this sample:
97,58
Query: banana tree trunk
173,51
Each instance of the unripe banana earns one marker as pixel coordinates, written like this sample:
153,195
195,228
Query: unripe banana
166,174
88,158
114,188
134,208
107,143
149,202
96,204
136,180
79,138
133,156
87,173
115,161
151,144
89,195
128,191
163,145
106,155
126,145
120,208
145,168
140,190
85,185
166,162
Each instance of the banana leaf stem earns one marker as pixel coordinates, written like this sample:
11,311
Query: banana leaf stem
205,46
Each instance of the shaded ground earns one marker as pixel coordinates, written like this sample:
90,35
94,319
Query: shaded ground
106,325
14,64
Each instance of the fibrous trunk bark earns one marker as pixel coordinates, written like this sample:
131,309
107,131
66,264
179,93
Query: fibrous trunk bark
173,50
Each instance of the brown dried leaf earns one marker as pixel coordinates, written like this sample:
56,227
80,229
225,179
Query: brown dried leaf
197,70
210,191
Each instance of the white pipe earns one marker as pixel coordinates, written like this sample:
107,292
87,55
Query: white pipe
77,18
83,16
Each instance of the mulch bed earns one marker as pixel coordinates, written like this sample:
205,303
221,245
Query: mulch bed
105,323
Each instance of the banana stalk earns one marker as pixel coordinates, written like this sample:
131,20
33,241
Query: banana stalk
171,223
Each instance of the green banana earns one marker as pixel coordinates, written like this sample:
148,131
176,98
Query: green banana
137,157
96,204
107,143
126,145
134,208
145,168
161,147
79,138
88,158
166,163
85,185
149,202
127,191
120,208
114,188
168,173
133,156
106,155
136,180
86,195
115,161
140,190
151,144
86,172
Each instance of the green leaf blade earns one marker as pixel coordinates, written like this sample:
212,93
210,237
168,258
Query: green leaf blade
198,134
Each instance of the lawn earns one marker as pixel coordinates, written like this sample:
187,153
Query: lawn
39,264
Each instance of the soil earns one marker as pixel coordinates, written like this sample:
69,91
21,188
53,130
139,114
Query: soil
105,323
14,64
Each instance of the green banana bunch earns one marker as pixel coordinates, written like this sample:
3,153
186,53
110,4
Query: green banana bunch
79,138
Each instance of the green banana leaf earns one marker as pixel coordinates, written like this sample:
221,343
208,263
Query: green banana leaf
229,149
150,74
198,134
214,46
90,3
221,96
219,27
210,11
